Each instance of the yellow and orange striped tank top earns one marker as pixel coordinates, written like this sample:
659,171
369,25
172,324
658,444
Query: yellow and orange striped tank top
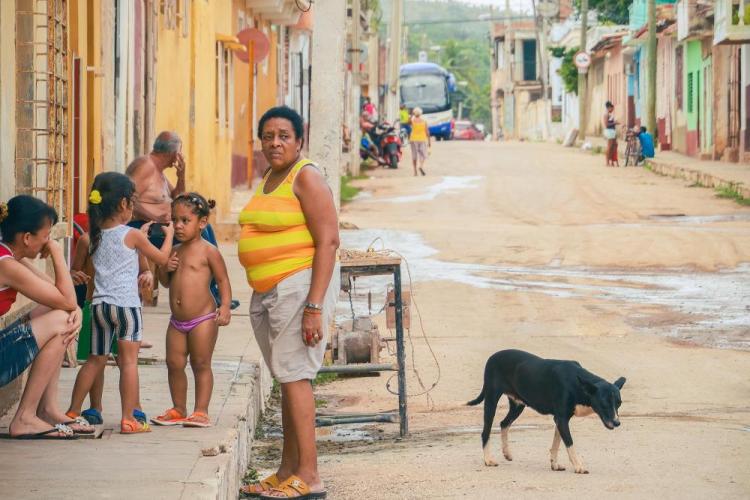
274,239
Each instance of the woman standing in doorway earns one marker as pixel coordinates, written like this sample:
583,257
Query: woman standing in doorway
610,134
288,246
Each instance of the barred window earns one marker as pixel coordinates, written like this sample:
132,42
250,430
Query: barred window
690,92
224,87
42,167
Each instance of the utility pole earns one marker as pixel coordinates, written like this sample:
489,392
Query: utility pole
327,92
395,61
355,91
541,43
582,76
651,69
493,97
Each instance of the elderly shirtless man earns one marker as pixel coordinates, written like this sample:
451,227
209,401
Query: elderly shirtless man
154,193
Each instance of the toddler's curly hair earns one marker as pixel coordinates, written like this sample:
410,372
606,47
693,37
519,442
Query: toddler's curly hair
200,205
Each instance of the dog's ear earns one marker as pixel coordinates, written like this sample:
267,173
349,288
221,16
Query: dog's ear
588,387
619,382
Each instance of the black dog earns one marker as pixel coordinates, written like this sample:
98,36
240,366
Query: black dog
551,387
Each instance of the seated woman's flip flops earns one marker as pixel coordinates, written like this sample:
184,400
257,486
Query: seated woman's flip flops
59,432
254,490
82,426
293,487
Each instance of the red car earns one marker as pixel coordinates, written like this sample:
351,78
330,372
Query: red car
467,131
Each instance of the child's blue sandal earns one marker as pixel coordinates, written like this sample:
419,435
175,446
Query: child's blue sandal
93,416
140,416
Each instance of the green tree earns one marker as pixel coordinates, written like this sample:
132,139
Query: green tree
568,71
610,11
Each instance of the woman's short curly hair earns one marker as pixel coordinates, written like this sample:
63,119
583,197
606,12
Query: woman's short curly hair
286,113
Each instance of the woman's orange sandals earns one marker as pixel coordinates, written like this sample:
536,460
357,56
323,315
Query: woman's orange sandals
257,488
293,487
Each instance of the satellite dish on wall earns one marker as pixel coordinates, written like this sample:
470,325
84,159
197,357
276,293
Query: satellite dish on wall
261,44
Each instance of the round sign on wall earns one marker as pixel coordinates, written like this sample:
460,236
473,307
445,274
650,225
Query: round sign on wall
582,59
261,44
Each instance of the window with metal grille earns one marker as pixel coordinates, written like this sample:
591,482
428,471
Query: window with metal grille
690,92
41,158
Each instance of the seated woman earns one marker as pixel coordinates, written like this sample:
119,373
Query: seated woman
39,338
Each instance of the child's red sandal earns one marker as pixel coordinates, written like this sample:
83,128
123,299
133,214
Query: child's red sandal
133,427
197,419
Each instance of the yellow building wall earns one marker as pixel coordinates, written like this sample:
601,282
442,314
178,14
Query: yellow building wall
268,74
83,42
186,79
266,91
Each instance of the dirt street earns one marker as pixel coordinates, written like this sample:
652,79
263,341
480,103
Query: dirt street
541,248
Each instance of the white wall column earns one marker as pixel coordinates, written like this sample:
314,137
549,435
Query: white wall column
7,100
327,99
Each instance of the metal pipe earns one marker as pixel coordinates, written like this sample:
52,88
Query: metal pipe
582,102
400,354
358,368
382,417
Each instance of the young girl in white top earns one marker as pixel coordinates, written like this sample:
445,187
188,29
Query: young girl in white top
116,306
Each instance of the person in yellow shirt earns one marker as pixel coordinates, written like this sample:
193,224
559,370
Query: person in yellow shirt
404,118
419,141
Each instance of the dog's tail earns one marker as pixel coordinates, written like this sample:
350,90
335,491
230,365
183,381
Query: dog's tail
478,399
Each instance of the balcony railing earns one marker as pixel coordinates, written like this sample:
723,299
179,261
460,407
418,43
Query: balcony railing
731,21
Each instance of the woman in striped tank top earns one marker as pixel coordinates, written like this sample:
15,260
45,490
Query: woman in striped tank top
288,247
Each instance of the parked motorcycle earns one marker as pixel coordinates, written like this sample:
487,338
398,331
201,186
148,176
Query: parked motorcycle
382,143
390,145
368,150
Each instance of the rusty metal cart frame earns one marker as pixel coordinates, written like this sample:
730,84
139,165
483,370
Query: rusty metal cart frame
374,267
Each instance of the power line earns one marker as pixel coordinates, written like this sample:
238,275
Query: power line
461,21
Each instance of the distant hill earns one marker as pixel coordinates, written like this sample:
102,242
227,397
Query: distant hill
464,23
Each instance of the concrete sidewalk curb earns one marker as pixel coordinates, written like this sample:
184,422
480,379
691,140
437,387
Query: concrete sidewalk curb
697,176
218,473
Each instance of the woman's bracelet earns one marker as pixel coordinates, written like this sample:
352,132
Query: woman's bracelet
311,305
315,312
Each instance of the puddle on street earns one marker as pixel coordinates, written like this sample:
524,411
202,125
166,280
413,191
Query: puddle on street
448,184
701,219
343,434
719,301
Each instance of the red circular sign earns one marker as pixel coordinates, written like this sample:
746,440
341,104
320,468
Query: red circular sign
261,44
